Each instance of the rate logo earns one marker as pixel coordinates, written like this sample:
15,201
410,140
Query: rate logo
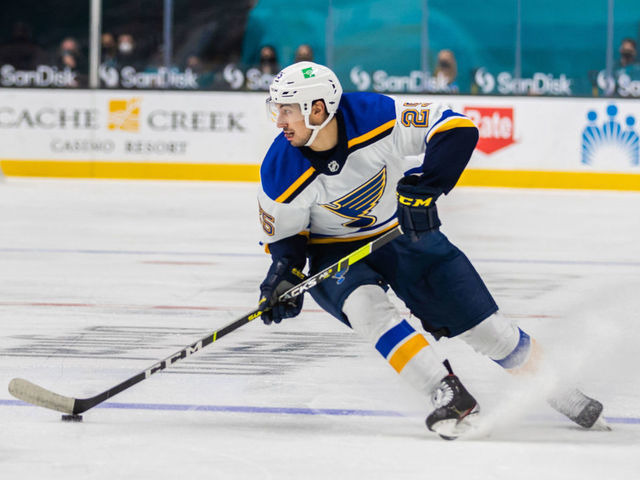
495,126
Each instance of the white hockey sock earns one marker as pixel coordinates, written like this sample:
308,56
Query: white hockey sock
373,316
506,344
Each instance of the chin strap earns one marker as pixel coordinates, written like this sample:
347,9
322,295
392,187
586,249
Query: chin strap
315,129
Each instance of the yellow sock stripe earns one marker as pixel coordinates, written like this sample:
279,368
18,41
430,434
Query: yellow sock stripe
407,351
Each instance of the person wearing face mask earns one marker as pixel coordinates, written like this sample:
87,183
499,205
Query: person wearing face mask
627,70
127,55
269,60
628,52
446,71
70,57
109,50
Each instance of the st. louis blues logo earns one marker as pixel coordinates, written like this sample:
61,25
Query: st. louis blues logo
603,143
356,204
339,276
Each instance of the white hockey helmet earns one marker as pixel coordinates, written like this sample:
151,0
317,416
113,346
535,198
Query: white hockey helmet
303,83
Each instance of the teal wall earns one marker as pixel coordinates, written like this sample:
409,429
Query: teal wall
558,36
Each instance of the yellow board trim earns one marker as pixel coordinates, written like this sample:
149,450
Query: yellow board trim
251,173
295,185
369,135
407,351
550,179
454,122
131,170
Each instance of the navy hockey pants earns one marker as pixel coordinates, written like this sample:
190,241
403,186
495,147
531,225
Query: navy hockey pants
434,279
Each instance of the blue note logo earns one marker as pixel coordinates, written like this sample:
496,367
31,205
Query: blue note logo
604,142
356,204
339,276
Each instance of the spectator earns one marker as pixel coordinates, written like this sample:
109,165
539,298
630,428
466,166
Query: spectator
70,57
628,68
628,53
269,60
205,76
109,50
21,51
304,53
446,71
127,54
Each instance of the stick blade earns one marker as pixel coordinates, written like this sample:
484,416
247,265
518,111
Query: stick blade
36,395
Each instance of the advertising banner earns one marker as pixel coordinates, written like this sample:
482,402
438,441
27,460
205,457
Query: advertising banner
172,127
549,142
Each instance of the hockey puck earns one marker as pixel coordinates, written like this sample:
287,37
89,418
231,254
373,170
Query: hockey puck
71,418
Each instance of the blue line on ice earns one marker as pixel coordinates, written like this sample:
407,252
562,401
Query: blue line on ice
271,410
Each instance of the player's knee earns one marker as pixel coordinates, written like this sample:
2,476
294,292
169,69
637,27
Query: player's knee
370,312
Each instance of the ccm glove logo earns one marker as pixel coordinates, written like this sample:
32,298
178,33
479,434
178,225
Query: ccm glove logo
414,202
417,212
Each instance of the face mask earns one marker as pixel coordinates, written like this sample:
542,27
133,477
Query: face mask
125,47
628,56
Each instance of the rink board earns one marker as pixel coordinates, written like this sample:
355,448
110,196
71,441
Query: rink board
524,142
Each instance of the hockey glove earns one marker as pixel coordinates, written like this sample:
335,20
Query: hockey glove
280,278
417,212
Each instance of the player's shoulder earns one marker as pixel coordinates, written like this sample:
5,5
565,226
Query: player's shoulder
367,115
285,172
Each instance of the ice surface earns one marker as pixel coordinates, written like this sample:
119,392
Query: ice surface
100,279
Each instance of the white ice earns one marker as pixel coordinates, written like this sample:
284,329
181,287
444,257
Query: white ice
100,279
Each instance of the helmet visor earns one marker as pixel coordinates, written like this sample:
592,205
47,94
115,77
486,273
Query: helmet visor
284,112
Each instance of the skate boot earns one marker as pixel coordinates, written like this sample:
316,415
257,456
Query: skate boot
454,408
583,410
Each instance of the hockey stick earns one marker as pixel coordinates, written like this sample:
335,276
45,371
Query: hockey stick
40,396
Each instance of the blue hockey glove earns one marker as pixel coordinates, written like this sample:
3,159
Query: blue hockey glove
280,278
417,212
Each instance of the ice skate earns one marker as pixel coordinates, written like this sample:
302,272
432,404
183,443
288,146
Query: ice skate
583,410
454,409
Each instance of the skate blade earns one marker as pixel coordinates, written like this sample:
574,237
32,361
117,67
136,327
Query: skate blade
601,425
453,429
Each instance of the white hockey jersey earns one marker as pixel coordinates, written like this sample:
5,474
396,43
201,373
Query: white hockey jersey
353,195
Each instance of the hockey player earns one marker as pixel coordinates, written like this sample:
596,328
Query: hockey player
349,167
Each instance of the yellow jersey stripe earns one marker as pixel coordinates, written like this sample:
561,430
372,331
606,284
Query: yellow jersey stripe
407,351
453,122
352,239
295,185
369,135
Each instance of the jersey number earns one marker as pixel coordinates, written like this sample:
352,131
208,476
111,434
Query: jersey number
415,118
267,221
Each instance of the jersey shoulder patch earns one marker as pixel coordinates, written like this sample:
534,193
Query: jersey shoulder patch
368,117
285,172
